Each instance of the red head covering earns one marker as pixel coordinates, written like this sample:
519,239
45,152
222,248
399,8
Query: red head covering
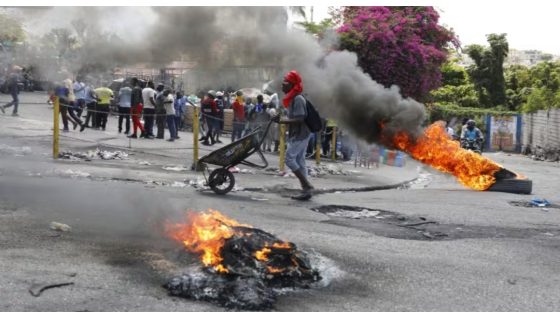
294,78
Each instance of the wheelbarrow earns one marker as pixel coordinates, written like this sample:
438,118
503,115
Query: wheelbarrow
221,180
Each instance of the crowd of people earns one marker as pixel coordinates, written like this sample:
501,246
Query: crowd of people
155,104
143,106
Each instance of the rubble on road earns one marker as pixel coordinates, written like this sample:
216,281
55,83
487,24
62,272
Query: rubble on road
92,155
57,226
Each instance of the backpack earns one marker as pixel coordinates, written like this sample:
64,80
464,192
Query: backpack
312,119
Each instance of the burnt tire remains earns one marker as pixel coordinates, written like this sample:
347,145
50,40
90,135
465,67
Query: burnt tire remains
513,185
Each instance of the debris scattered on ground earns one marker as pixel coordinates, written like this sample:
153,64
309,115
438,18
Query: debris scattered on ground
176,168
198,183
57,226
178,184
534,203
540,202
75,156
91,155
326,169
37,289
115,155
423,180
549,154
314,171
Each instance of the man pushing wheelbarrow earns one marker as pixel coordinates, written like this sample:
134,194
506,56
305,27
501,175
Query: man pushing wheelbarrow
221,180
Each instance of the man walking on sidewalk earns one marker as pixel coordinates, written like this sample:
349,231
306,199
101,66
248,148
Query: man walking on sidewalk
298,133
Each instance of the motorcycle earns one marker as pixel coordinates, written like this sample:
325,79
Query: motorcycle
474,145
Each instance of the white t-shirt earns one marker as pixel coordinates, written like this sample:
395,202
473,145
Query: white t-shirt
147,94
68,84
169,106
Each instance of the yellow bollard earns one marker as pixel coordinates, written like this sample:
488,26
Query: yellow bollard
333,144
318,148
56,128
282,144
195,138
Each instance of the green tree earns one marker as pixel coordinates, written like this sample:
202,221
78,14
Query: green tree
543,91
61,41
518,86
453,74
318,29
487,72
11,30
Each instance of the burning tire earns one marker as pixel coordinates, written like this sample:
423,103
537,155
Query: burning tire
513,185
221,181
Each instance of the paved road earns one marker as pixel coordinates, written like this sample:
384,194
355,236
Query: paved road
481,254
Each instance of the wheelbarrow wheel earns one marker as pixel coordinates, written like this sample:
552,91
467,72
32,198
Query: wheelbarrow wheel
221,181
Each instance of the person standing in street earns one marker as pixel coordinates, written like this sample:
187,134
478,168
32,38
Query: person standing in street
91,105
220,124
125,94
180,107
136,108
105,95
238,116
298,133
160,111
149,111
168,104
210,115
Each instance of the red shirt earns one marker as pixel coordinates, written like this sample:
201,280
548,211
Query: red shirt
209,107
238,111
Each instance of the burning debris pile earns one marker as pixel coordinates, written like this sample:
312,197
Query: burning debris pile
243,267
436,149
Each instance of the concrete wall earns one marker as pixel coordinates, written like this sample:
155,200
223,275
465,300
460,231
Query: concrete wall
541,134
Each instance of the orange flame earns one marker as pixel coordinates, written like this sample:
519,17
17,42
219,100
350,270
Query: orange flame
274,270
262,254
204,233
436,149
